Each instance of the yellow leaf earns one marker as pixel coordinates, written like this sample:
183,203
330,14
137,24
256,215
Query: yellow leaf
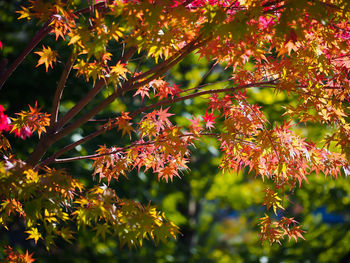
34,234
50,217
32,176
74,39
119,70
24,13
47,56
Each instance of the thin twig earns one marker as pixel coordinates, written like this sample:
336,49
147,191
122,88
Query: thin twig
176,94
212,91
146,108
92,156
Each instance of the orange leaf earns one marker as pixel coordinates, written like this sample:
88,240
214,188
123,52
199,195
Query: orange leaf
47,56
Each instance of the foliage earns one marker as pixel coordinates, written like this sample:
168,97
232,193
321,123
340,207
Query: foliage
16,257
299,49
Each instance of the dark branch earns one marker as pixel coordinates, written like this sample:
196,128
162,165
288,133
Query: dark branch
60,88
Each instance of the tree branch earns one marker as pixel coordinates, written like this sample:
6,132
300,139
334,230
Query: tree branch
35,41
92,156
80,105
212,91
90,95
60,88
51,136
64,160
90,114
161,103
126,87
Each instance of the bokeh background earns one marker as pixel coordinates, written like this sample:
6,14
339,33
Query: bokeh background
217,213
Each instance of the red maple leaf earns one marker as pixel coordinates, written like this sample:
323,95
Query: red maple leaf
209,120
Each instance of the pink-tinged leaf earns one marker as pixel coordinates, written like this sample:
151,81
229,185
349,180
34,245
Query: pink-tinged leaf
23,133
142,91
163,115
195,126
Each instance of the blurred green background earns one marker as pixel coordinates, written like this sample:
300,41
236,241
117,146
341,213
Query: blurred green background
217,213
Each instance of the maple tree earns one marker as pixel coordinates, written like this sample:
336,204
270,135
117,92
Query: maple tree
300,48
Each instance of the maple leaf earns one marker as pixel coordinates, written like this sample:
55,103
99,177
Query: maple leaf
195,126
47,57
33,120
296,233
271,199
149,126
62,21
28,258
268,231
102,230
4,143
163,115
31,176
66,234
74,38
17,257
50,217
168,171
209,120
110,165
13,205
124,124
143,91
34,234
24,13
116,31
163,89
23,133
119,71
291,46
